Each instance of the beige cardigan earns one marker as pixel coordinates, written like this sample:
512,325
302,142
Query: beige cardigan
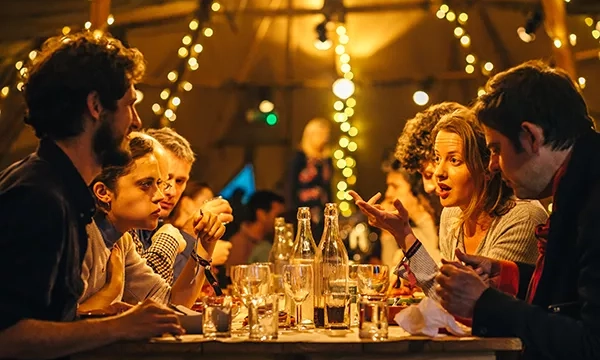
141,282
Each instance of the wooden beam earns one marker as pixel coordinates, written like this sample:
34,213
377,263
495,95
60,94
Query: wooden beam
555,21
591,54
99,11
500,49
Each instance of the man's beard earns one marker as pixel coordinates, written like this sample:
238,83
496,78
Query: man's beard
108,146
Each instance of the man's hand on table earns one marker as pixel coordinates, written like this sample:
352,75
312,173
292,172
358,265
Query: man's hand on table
459,287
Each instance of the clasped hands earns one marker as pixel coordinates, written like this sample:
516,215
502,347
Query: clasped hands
459,284
207,224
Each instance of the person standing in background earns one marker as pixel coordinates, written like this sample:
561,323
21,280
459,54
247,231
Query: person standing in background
310,173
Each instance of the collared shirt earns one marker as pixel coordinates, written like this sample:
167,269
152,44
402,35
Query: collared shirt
45,206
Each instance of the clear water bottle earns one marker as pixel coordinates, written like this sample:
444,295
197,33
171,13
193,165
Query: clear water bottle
305,251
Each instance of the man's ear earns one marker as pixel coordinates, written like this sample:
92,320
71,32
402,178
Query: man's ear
532,137
102,192
93,105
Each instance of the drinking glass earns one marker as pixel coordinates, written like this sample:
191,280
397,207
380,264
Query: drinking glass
373,280
298,281
216,319
263,317
251,280
373,322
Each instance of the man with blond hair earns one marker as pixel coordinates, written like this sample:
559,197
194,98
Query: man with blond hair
181,158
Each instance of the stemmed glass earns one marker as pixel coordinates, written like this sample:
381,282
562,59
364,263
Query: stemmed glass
298,282
373,280
251,281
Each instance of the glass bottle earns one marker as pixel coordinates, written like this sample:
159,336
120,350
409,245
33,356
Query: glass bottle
305,251
334,296
279,256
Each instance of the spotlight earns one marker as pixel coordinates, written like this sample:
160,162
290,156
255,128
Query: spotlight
532,24
322,42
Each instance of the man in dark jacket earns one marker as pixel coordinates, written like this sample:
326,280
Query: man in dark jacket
543,141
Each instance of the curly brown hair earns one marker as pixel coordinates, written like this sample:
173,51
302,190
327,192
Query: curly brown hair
415,144
69,68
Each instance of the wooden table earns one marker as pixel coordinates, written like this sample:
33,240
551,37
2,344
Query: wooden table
314,346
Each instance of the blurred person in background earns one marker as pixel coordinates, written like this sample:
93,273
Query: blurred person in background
310,173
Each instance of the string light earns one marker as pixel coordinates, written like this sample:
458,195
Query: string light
343,88
188,52
460,32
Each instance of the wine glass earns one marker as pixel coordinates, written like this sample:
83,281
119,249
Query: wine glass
298,282
251,280
373,280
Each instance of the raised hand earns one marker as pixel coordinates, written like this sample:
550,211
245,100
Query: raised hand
221,252
221,207
146,320
208,229
394,221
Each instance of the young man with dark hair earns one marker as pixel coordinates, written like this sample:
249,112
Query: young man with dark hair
256,229
81,99
414,150
543,141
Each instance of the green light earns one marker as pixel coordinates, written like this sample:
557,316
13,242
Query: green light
271,119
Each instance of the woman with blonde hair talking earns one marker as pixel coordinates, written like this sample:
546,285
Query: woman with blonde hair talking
481,216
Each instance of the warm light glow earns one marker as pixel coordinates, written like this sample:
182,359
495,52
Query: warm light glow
344,39
182,52
589,21
340,117
338,154
186,40
323,45
349,75
23,72
20,86
187,86
445,8
341,195
172,76
345,58
341,163
462,18
345,126
215,6
341,30
350,162
66,30
345,68
19,65
450,16
352,146
208,32
165,94
87,25
488,66
198,48
194,24
172,117
169,113
581,82
352,180
340,49
139,96
465,40
4,91
353,131
524,36
110,20
349,111
470,59
557,43
344,141
420,97
344,207
176,101
347,172
194,67
156,108
351,102
266,106
480,91
343,88
338,105
458,31
98,34
440,14
573,39
192,62
469,69
596,34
